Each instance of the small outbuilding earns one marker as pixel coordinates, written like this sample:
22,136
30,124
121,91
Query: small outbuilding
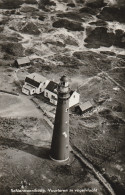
34,84
84,107
24,61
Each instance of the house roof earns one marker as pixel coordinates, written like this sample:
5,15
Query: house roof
52,86
24,60
28,87
85,106
71,92
35,79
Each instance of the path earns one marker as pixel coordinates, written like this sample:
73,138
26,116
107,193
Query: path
100,177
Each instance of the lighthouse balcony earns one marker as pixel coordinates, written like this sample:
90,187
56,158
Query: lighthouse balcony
64,89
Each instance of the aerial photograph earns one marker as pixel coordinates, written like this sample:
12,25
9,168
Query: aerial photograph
62,97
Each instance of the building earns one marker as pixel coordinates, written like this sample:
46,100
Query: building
74,98
24,61
60,140
51,93
34,83
83,107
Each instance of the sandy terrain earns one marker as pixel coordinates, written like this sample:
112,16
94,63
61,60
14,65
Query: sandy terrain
83,41
17,106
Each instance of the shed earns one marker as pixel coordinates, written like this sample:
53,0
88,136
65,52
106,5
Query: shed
24,61
84,107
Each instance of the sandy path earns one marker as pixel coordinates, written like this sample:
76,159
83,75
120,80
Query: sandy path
20,106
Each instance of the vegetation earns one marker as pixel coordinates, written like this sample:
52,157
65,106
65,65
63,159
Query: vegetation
70,25
10,4
12,48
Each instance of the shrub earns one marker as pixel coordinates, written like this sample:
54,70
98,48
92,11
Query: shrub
11,48
10,4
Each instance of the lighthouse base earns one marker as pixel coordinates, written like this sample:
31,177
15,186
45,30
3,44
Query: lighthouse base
60,161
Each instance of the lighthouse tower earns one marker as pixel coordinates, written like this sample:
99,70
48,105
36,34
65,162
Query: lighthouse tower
60,140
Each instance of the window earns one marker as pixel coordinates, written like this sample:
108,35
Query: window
52,96
67,109
46,94
63,83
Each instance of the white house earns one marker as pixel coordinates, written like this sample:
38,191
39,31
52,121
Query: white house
34,83
74,98
51,93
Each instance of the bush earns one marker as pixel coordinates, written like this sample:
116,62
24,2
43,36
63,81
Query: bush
28,9
71,4
31,28
47,2
11,48
41,18
70,25
30,1
1,28
10,4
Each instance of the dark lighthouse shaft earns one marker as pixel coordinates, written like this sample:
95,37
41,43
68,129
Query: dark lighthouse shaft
60,140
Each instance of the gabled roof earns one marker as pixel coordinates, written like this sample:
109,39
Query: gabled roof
52,86
72,92
24,60
28,87
35,79
85,106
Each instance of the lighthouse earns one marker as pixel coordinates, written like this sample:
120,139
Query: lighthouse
60,140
